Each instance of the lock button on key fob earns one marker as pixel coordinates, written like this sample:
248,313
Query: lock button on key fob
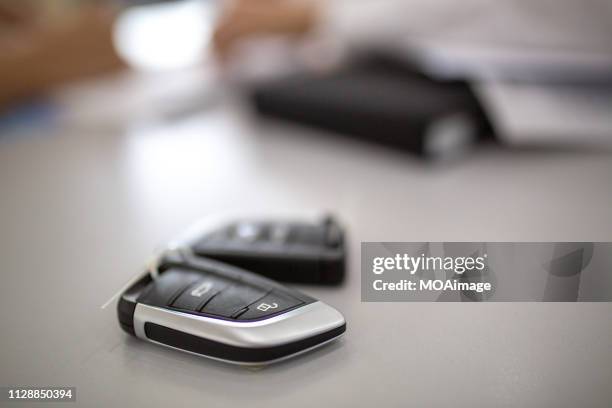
195,296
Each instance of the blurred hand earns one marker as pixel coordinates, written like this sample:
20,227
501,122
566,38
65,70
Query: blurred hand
12,14
36,55
244,19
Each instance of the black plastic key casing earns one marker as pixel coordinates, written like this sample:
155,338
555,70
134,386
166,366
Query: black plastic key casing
296,252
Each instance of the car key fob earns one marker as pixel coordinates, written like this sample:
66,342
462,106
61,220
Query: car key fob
296,252
226,313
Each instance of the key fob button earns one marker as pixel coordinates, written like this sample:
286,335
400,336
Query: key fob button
232,300
196,295
272,303
167,286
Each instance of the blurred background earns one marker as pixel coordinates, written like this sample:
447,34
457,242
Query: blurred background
409,119
122,122
182,108
540,71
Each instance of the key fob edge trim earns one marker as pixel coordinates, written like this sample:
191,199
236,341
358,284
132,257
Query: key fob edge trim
241,342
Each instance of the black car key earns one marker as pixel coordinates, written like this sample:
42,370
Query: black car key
286,251
223,312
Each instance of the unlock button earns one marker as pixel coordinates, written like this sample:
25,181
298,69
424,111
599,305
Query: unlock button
272,303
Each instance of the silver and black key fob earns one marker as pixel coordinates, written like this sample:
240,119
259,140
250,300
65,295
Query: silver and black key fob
286,251
223,312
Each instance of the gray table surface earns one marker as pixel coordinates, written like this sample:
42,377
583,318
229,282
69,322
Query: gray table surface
82,209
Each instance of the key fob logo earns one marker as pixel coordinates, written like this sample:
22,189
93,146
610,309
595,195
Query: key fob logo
202,289
264,307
